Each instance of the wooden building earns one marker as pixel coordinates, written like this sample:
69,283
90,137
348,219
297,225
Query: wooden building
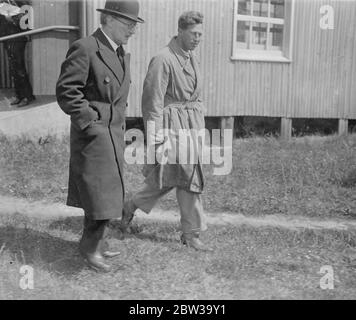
272,58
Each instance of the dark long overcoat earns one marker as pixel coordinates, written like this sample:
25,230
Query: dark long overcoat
93,88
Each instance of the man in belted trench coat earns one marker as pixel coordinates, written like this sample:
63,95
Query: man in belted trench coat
172,99
93,88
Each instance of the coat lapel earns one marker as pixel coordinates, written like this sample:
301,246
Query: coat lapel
179,55
194,73
196,68
108,55
126,79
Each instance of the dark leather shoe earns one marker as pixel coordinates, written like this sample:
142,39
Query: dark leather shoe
106,252
16,101
111,254
96,261
195,243
25,102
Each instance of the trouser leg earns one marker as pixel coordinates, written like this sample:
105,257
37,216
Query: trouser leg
193,219
192,214
93,232
16,54
10,50
90,245
147,198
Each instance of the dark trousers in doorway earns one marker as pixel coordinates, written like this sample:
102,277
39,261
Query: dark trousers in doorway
16,54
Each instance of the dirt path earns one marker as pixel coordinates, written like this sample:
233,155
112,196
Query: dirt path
10,205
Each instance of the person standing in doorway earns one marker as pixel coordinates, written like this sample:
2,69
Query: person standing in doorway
15,49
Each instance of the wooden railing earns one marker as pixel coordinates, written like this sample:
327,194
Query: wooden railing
39,30
5,78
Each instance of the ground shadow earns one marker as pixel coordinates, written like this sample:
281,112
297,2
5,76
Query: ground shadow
32,247
153,237
139,231
142,232
70,224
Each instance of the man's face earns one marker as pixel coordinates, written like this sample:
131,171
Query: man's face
121,29
191,37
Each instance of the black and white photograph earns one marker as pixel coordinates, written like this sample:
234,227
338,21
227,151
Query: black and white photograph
183,153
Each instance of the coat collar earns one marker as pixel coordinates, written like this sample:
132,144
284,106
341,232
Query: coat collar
183,57
109,57
112,43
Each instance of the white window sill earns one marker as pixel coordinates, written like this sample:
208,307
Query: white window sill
261,58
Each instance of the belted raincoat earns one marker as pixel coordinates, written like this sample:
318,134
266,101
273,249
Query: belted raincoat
172,100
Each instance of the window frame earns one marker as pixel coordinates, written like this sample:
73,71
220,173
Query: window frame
284,55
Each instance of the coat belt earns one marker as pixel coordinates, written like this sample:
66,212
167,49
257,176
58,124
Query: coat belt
187,105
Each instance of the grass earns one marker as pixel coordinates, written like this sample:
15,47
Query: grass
313,176
248,263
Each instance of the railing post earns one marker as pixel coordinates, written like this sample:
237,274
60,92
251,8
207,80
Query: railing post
343,126
286,128
226,123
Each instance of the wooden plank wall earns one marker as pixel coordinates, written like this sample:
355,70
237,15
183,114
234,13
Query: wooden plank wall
49,49
323,71
231,88
318,83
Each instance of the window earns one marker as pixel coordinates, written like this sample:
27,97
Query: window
262,30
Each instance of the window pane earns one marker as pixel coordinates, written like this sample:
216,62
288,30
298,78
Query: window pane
277,36
277,9
259,35
243,30
260,8
244,7
267,36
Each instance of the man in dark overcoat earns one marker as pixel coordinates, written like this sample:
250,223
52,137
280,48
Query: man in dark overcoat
93,88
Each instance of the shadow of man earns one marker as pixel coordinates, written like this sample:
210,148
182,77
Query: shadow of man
115,230
41,249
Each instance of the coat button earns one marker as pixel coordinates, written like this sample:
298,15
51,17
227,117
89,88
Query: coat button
107,80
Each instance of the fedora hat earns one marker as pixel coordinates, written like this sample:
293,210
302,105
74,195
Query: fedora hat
126,9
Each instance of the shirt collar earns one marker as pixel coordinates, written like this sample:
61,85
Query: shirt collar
112,43
182,55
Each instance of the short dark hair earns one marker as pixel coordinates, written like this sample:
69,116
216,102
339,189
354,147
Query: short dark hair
190,18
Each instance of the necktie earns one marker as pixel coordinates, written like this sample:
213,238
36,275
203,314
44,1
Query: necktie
121,53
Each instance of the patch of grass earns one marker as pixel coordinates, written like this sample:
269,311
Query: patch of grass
310,176
248,263
34,169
